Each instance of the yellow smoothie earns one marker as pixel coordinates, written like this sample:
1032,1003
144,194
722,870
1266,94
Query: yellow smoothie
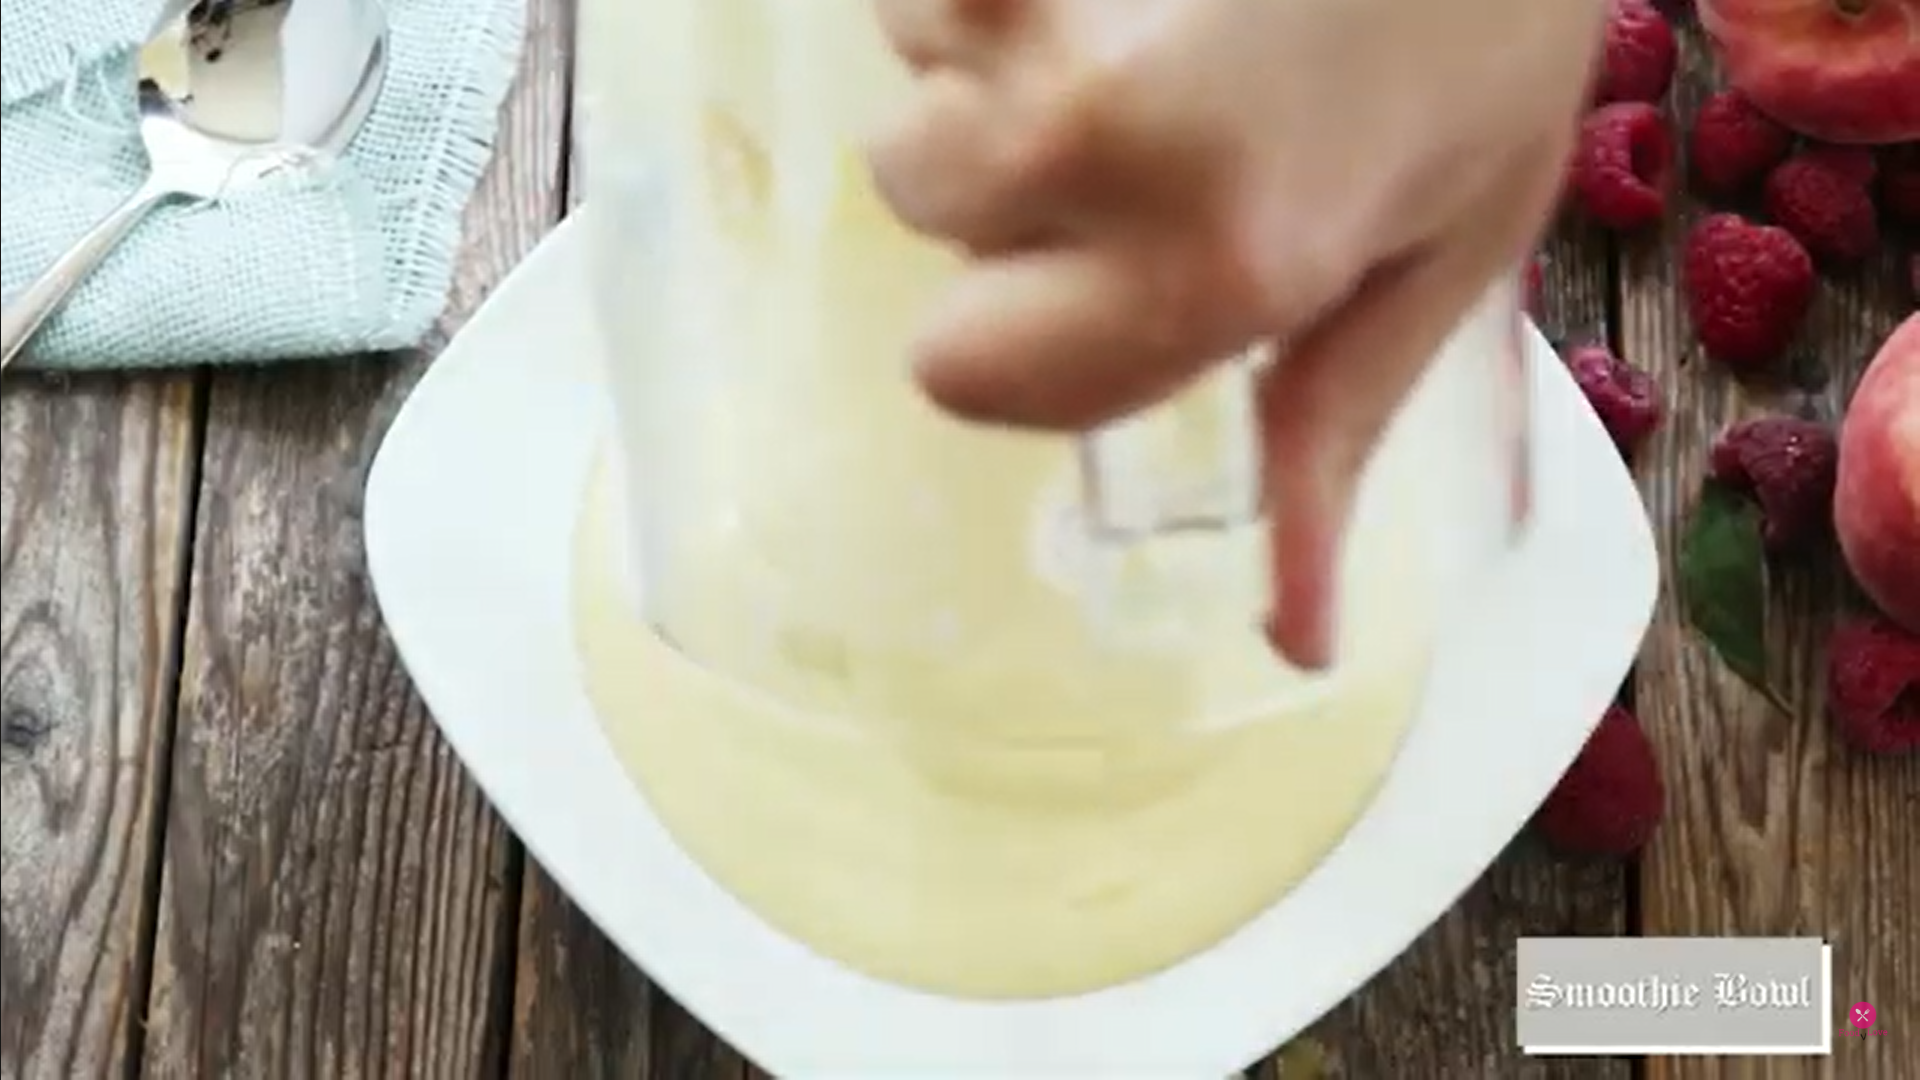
865,692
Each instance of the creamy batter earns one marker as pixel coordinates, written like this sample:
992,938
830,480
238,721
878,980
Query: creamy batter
886,721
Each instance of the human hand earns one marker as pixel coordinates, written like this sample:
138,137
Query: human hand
1148,186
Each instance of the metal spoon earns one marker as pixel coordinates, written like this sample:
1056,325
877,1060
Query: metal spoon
188,161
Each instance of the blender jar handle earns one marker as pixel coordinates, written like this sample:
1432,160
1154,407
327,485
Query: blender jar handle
1170,501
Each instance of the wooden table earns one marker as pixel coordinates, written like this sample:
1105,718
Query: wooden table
235,845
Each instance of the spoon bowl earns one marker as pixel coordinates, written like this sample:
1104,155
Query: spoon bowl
246,72
329,85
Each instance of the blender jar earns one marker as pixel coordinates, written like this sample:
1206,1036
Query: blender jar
1028,660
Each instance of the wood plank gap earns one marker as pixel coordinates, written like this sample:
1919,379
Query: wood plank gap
1632,924
497,1056
1613,336
134,1067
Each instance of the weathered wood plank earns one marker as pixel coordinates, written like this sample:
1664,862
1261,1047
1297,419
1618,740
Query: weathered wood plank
581,1010
94,511
1579,294
1445,1008
1773,828
682,1046
337,897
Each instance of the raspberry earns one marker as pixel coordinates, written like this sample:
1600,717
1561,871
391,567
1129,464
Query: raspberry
1873,686
1856,163
1900,184
1788,465
1622,165
1640,54
1534,287
1734,145
1611,798
1747,288
1827,207
1626,398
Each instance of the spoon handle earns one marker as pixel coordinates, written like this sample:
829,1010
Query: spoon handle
26,312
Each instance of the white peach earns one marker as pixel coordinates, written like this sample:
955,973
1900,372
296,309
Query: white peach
1876,503
1842,71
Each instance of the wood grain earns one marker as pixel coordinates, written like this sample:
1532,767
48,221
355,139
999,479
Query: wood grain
94,510
1445,1008
581,1009
337,897
1773,827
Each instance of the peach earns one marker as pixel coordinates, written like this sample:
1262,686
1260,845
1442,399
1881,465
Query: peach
1876,503
1842,71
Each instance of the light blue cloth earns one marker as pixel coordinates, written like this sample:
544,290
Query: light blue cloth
357,259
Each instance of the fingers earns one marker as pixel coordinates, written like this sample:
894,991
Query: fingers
1324,407
1064,339
950,167
991,137
943,33
1321,408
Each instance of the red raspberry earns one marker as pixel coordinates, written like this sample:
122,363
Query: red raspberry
1627,399
1534,287
1747,287
1788,465
1640,54
1622,165
1873,686
1611,798
1856,163
1830,210
1734,145
1900,184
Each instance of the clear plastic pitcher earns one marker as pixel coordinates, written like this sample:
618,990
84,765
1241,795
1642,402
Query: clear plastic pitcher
1011,618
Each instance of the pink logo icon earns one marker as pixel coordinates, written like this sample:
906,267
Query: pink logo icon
1861,1016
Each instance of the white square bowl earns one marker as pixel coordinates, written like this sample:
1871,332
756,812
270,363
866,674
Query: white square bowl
470,513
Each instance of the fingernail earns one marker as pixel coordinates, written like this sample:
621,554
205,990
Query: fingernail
1303,640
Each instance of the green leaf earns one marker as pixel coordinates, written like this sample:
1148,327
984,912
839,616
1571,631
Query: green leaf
1723,582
